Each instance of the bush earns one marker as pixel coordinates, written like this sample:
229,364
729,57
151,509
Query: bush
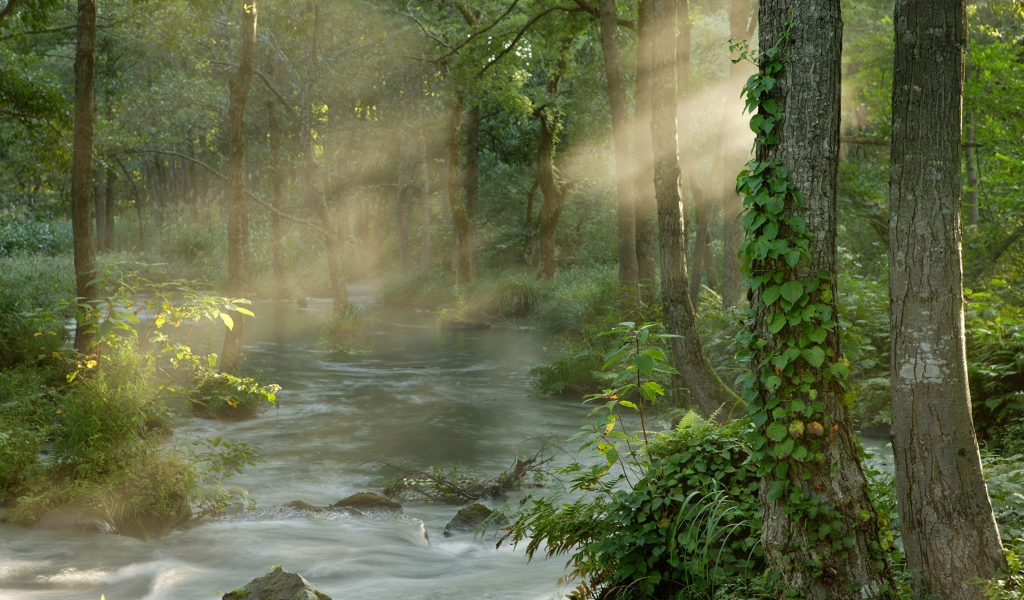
427,291
575,368
509,295
995,368
28,282
31,237
25,414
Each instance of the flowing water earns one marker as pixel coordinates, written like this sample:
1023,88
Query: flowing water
418,397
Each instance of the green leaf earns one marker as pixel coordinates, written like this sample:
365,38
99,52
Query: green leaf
775,491
228,321
785,448
645,364
792,290
818,335
771,294
777,431
777,323
814,355
799,453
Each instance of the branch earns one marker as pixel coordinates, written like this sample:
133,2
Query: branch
592,10
266,81
222,177
523,31
37,32
477,34
7,10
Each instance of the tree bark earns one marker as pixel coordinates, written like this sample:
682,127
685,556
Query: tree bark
734,155
551,209
109,212
808,147
949,532
426,261
406,185
238,243
280,284
472,178
623,172
706,389
460,216
81,165
646,215
101,216
971,162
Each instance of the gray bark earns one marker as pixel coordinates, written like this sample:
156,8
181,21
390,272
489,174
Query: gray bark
706,389
81,163
623,172
949,532
646,208
734,156
238,242
808,146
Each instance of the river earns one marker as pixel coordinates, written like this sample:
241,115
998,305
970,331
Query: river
415,397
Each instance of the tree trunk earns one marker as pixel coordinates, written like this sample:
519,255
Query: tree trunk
701,233
314,177
646,215
101,216
972,173
551,209
160,189
238,95
280,284
623,172
949,532
472,178
706,389
460,218
81,165
426,262
734,155
109,212
819,529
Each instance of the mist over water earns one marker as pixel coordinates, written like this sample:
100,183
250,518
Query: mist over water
417,397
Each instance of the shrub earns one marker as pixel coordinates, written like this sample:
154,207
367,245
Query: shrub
423,290
31,237
25,413
995,367
510,295
26,283
575,368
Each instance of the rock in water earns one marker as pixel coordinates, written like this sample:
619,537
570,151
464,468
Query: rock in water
278,584
370,504
470,518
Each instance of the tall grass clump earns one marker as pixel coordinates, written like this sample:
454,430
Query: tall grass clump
425,291
508,295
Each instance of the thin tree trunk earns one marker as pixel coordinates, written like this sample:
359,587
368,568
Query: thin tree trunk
314,177
463,250
101,216
81,165
695,372
472,178
238,95
406,176
160,193
972,173
109,212
646,215
280,284
701,231
623,171
426,261
551,209
734,153
949,532
809,564
683,141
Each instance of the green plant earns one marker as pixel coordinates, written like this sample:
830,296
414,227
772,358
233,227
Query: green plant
995,351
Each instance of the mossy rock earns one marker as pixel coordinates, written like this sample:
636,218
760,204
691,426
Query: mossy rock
369,503
278,584
471,517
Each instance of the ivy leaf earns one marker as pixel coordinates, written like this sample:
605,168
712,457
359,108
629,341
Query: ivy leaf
792,290
785,448
800,453
777,323
814,355
775,491
780,361
792,257
771,294
777,431
818,335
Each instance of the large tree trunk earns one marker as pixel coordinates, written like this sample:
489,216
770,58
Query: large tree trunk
695,373
949,533
701,232
81,164
734,155
472,178
280,284
238,243
551,209
646,215
800,536
460,216
623,172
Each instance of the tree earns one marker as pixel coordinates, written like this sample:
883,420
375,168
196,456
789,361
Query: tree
645,204
695,372
949,532
820,531
237,213
628,275
81,164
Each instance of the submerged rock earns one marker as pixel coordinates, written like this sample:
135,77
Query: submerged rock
278,584
369,504
471,517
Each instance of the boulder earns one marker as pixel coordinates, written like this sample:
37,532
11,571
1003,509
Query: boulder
369,504
278,584
471,517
